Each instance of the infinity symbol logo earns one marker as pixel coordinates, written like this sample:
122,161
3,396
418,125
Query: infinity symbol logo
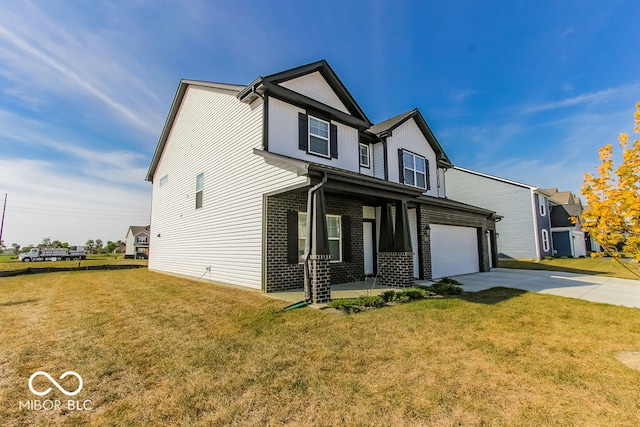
66,374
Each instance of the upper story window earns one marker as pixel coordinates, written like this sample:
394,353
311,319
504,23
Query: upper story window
142,240
199,190
542,206
318,137
414,169
364,155
164,180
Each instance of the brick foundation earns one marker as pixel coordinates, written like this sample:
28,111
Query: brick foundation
320,278
396,269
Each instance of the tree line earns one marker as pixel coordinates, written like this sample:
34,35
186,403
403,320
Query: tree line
96,246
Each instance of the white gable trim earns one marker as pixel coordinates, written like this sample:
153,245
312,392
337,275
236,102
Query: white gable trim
315,87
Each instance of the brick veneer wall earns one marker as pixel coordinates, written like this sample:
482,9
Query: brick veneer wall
284,276
395,269
320,277
447,216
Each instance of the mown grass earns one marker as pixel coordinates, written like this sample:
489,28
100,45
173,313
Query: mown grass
597,266
11,262
158,350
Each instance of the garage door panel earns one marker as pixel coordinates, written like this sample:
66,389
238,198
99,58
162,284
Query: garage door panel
454,250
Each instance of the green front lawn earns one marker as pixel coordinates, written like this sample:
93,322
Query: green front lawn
159,350
598,266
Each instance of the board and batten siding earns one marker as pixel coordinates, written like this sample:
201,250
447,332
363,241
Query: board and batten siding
214,134
409,137
283,138
378,160
315,87
516,230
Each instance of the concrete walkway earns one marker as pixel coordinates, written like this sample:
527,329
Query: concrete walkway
609,290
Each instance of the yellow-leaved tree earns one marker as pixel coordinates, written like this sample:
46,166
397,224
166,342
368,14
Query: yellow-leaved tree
613,198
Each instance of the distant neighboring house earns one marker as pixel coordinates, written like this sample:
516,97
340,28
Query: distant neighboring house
525,230
566,226
285,182
137,242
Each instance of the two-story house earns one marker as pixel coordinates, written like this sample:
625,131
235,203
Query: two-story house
524,232
566,225
285,183
137,242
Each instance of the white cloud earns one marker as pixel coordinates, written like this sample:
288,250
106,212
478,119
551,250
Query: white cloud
47,200
40,57
592,98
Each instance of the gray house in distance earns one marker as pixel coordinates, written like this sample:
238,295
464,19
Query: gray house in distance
525,229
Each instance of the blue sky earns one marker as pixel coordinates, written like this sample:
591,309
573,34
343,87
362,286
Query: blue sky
526,90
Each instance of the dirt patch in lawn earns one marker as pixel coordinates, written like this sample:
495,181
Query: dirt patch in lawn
630,358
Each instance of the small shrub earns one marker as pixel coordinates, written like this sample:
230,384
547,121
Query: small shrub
414,294
388,296
371,301
444,286
348,306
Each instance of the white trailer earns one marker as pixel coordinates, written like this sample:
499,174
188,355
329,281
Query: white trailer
52,254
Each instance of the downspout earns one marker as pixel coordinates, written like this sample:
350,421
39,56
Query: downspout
307,244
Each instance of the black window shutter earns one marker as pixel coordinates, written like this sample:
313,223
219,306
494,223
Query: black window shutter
292,237
333,141
426,162
303,132
401,165
346,239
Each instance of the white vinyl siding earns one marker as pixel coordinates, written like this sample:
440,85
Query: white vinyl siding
283,137
214,134
315,87
516,230
409,137
378,160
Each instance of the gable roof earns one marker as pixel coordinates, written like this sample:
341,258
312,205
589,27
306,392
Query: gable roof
506,181
138,229
271,83
561,215
173,112
563,197
386,128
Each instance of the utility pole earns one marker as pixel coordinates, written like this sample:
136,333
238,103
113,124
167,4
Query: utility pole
4,209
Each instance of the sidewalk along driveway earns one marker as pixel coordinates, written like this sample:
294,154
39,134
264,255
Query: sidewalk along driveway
609,290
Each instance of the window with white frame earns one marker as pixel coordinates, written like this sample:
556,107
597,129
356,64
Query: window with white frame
143,240
545,241
199,190
334,230
364,155
318,136
542,205
164,180
414,169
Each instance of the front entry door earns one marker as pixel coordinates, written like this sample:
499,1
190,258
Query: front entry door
368,235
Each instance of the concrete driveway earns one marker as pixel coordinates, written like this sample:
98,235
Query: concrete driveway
607,290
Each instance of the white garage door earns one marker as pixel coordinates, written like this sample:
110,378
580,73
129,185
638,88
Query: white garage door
454,250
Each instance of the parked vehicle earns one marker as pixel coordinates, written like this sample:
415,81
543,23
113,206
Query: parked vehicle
52,254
